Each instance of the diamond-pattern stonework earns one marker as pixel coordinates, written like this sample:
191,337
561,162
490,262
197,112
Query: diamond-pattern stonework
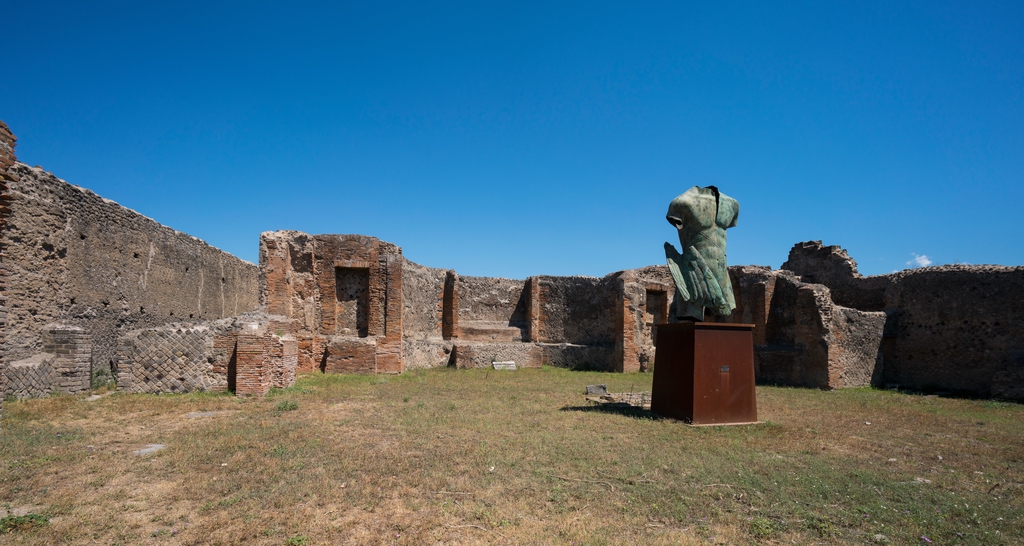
209,356
166,360
30,377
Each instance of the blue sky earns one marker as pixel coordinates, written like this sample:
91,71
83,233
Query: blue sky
513,139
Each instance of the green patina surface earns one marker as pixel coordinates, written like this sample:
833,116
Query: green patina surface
701,215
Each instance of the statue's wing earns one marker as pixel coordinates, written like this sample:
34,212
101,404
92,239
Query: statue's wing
703,288
675,266
704,277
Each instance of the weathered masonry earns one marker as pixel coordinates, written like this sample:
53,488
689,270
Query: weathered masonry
954,328
7,161
248,355
90,289
74,260
360,306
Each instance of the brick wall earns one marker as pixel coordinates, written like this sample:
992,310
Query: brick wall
359,306
72,349
28,378
283,355
254,377
643,299
247,354
345,294
63,366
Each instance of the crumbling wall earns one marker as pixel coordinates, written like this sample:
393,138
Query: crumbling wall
475,354
352,307
801,336
491,299
344,292
424,343
7,161
579,310
812,342
491,309
753,287
246,354
833,267
62,366
29,377
422,301
957,328
169,359
78,259
644,297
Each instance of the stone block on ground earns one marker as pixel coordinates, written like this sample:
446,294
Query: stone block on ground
426,353
474,354
579,357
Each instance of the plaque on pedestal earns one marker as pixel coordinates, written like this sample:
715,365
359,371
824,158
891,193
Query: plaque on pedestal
704,373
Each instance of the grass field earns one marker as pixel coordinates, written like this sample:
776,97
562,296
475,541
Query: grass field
476,456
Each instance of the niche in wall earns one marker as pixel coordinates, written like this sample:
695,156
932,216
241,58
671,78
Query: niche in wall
353,301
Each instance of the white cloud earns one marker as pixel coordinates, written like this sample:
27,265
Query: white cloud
920,260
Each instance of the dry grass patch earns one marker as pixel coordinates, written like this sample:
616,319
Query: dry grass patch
476,456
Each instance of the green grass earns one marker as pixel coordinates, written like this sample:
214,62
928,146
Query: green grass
478,456
21,523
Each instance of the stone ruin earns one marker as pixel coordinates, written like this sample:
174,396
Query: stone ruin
359,306
92,291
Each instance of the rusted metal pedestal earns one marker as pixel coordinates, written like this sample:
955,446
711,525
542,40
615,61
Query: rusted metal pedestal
704,373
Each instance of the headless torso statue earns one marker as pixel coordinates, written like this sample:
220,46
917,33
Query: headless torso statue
700,273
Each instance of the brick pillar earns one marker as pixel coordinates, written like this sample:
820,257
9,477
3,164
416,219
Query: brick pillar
389,348
72,367
628,313
282,358
450,306
532,309
252,375
225,360
7,159
275,290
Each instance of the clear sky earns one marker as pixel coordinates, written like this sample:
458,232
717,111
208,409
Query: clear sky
523,138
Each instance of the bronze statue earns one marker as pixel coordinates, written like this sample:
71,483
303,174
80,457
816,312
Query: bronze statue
702,278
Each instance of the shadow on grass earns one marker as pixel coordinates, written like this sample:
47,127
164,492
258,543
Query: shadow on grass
627,410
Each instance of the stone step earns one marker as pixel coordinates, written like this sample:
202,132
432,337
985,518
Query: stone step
489,331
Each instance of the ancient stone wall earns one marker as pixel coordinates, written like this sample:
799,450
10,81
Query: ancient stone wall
426,341
470,354
29,377
422,301
803,333
956,328
809,341
952,328
574,320
209,356
644,297
345,293
63,366
491,309
72,349
833,267
75,258
168,359
7,161
578,310
753,287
